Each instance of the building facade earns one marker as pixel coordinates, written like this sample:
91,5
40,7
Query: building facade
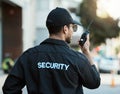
16,27
10,29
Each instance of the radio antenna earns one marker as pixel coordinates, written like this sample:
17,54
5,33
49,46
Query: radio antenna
89,24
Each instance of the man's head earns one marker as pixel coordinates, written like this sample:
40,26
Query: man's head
59,20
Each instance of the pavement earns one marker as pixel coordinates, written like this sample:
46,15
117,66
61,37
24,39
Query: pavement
103,89
110,84
2,79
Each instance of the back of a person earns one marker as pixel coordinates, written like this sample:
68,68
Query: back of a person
55,73
52,67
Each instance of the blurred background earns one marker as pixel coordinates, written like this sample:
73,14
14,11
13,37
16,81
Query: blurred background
23,25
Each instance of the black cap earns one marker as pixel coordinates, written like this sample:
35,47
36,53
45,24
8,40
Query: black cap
60,17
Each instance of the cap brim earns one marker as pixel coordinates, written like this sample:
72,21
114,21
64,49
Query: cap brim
75,22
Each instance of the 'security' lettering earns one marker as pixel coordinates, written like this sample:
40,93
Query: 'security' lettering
52,65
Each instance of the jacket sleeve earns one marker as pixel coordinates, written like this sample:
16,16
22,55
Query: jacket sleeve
15,80
89,75
13,85
93,78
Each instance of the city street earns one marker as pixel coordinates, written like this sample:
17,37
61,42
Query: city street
108,86
25,24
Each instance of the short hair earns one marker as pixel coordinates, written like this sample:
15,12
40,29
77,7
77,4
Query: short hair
55,29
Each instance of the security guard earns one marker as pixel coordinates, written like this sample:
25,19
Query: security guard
53,67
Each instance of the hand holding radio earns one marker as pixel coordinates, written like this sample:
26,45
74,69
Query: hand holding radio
85,44
83,38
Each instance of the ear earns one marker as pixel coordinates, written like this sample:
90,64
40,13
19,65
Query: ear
65,29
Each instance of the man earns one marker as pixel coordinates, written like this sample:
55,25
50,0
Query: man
53,67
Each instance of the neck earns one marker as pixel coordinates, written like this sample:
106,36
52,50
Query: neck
59,37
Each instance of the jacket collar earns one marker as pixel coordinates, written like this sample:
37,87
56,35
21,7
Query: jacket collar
55,42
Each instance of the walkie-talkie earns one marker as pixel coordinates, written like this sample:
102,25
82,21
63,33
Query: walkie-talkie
84,35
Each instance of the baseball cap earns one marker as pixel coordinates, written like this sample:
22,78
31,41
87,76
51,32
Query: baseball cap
60,17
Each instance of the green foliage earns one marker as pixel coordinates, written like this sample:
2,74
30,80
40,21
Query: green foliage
101,28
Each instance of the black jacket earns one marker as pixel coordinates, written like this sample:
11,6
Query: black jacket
51,68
